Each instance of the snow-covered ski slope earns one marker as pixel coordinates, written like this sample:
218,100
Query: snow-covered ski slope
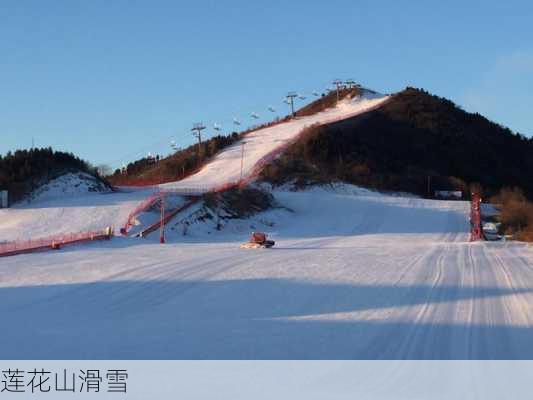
65,206
225,168
353,275
59,211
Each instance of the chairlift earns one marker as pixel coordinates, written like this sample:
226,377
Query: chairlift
151,158
236,121
217,127
350,83
254,115
271,109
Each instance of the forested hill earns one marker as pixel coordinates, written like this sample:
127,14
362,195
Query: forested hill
414,138
25,170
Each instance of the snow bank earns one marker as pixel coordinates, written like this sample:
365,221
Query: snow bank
68,185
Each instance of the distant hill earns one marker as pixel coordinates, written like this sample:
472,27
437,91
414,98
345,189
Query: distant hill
414,140
24,171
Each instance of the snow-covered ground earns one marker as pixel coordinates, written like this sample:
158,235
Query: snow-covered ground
353,274
58,211
68,185
71,204
226,166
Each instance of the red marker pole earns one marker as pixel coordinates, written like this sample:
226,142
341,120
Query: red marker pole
162,224
242,160
475,218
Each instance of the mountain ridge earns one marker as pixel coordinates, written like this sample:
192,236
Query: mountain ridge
413,138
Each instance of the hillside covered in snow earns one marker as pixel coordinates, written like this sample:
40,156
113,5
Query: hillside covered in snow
24,171
354,274
396,143
226,166
68,185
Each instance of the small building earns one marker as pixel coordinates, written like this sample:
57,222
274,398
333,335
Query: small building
448,194
4,200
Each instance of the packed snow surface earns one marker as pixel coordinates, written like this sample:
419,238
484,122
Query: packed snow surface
353,275
226,166
63,208
67,185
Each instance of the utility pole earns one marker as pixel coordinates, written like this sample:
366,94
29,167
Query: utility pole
337,83
290,98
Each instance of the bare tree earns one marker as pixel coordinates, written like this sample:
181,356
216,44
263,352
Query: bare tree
104,170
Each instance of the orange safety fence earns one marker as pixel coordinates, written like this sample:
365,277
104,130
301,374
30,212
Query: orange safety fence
52,242
145,205
154,199
168,216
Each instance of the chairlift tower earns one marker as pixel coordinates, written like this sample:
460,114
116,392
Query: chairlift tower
197,129
337,83
290,99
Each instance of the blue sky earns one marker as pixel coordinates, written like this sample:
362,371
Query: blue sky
113,80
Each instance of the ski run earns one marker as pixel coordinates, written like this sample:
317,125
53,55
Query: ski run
354,274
